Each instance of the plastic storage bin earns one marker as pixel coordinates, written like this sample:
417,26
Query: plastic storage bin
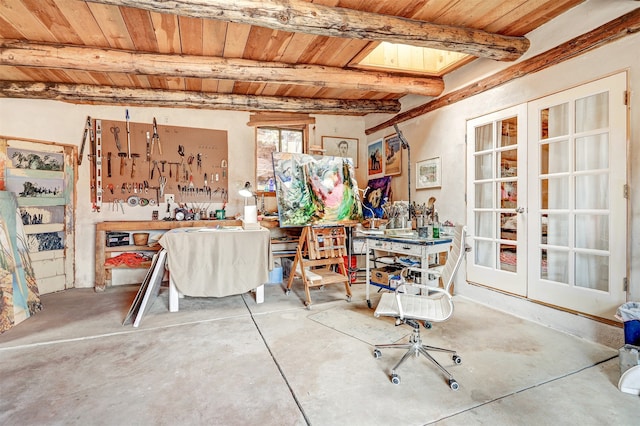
630,314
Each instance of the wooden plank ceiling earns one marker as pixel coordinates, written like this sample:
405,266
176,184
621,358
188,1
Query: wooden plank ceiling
190,53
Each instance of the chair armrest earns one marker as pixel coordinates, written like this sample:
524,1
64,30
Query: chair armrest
402,288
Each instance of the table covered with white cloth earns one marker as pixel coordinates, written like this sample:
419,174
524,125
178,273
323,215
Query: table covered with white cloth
217,262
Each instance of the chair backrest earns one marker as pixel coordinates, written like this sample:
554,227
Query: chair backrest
454,257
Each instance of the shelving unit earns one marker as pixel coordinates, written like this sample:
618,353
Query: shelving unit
41,176
103,272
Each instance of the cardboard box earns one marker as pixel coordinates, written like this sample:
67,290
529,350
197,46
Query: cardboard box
383,276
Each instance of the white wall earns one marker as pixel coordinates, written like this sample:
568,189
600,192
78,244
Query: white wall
442,133
62,122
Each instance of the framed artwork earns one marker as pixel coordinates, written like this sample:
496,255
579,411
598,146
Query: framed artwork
375,159
376,195
341,147
392,155
315,189
428,173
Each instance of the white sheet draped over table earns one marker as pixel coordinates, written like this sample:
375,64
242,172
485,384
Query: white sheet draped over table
209,262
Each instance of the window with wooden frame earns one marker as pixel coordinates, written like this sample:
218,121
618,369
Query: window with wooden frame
277,133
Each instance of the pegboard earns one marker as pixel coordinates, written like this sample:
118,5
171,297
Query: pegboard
180,157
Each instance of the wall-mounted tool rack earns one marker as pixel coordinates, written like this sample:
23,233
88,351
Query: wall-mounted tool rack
189,163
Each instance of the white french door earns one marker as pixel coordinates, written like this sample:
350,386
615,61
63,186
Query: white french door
496,200
578,212
546,205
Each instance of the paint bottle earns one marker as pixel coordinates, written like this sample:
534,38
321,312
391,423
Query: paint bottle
436,226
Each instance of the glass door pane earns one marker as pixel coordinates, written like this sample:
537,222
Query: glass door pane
496,219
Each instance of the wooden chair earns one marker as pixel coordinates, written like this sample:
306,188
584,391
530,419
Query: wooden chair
319,259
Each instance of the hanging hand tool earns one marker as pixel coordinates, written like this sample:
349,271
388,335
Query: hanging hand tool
109,164
163,162
126,115
88,128
190,162
148,146
223,164
199,162
123,161
177,172
156,136
116,135
133,165
162,182
155,166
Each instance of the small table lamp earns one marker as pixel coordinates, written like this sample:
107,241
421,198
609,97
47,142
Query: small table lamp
250,212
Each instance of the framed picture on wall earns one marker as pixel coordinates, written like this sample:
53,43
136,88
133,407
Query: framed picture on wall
392,155
375,159
337,146
428,173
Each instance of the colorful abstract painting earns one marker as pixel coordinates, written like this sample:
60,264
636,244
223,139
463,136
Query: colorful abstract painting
19,296
377,194
315,189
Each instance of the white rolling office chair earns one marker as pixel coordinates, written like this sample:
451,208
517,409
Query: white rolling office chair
412,303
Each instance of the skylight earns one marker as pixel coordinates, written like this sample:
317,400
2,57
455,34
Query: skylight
421,60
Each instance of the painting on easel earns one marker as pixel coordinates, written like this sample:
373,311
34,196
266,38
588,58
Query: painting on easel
19,297
315,189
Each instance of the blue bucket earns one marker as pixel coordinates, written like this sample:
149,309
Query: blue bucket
632,332
275,276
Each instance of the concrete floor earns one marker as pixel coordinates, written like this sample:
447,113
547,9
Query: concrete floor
230,361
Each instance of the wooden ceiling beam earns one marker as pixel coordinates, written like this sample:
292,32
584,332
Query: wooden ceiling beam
304,17
109,95
92,59
616,29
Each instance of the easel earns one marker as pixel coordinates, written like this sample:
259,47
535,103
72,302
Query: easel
319,249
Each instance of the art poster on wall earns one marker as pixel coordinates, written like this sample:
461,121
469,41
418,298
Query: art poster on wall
377,194
315,189
375,159
19,296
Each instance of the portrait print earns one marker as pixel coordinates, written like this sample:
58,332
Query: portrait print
341,147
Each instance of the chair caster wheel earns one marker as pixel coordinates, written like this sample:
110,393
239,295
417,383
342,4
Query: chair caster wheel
307,305
395,379
457,359
348,298
376,353
287,291
427,325
453,384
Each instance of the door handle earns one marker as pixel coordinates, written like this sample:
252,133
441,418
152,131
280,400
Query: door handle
520,210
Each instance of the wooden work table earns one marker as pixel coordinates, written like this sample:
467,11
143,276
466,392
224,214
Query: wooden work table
103,272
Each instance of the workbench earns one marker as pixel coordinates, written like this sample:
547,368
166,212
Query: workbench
103,272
